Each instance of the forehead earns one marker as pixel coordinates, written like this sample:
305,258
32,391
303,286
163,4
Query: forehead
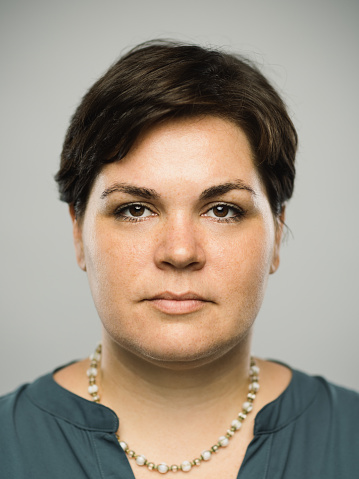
191,153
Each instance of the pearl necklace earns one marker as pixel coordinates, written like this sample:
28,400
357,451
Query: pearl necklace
206,455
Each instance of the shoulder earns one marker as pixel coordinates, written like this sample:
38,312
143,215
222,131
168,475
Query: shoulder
10,405
333,396
44,428
27,416
17,418
314,408
318,387
326,413
312,398
20,411
311,429
341,402
338,392
320,395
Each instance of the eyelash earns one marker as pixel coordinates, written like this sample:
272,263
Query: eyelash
119,213
239,213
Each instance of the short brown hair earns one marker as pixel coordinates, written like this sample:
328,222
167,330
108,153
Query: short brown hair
163,80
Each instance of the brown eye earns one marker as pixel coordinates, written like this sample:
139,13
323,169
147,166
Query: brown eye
133,212
225,213
221,210
136,210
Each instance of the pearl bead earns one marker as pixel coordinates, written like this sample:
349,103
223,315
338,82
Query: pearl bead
197,462
242,416
236,424
206,455
150,466
95,356
124,445
140,460
223,441
93,388
186,466
92,372
247,406
254,370
174,468
254,387
162,468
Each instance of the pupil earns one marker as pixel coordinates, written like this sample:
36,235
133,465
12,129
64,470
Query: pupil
136,210
221,211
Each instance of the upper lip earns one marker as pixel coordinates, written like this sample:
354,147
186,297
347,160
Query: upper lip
178,296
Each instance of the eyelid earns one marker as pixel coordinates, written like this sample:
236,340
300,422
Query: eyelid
124,217
223,203
239,211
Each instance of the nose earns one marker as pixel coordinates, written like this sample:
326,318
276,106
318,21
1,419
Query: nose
180,245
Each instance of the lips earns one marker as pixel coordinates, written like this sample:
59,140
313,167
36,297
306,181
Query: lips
178,297
176,304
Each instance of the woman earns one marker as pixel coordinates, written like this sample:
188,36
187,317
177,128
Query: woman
176,167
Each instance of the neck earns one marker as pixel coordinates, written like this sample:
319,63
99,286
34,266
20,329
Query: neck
197,403
129,379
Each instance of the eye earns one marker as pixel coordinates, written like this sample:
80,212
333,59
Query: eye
225,212
133,212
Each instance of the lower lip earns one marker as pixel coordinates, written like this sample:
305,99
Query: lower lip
172,306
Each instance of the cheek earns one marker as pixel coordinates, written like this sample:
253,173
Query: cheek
113,262
245,258
242,283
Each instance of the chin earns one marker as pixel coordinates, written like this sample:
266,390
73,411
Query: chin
192,354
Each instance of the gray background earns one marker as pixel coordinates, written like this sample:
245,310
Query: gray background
51,52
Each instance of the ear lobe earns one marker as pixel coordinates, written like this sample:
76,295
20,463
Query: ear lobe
278,240
77,237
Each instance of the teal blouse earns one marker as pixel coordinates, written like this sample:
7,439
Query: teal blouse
311,431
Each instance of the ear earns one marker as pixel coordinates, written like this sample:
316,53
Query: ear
77,236
279,225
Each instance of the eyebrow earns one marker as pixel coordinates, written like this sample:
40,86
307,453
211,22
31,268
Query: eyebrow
150,194
145,193
218,190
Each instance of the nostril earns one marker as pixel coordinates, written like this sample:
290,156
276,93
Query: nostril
180,256
180,244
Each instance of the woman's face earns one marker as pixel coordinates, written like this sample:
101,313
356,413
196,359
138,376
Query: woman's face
178,240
